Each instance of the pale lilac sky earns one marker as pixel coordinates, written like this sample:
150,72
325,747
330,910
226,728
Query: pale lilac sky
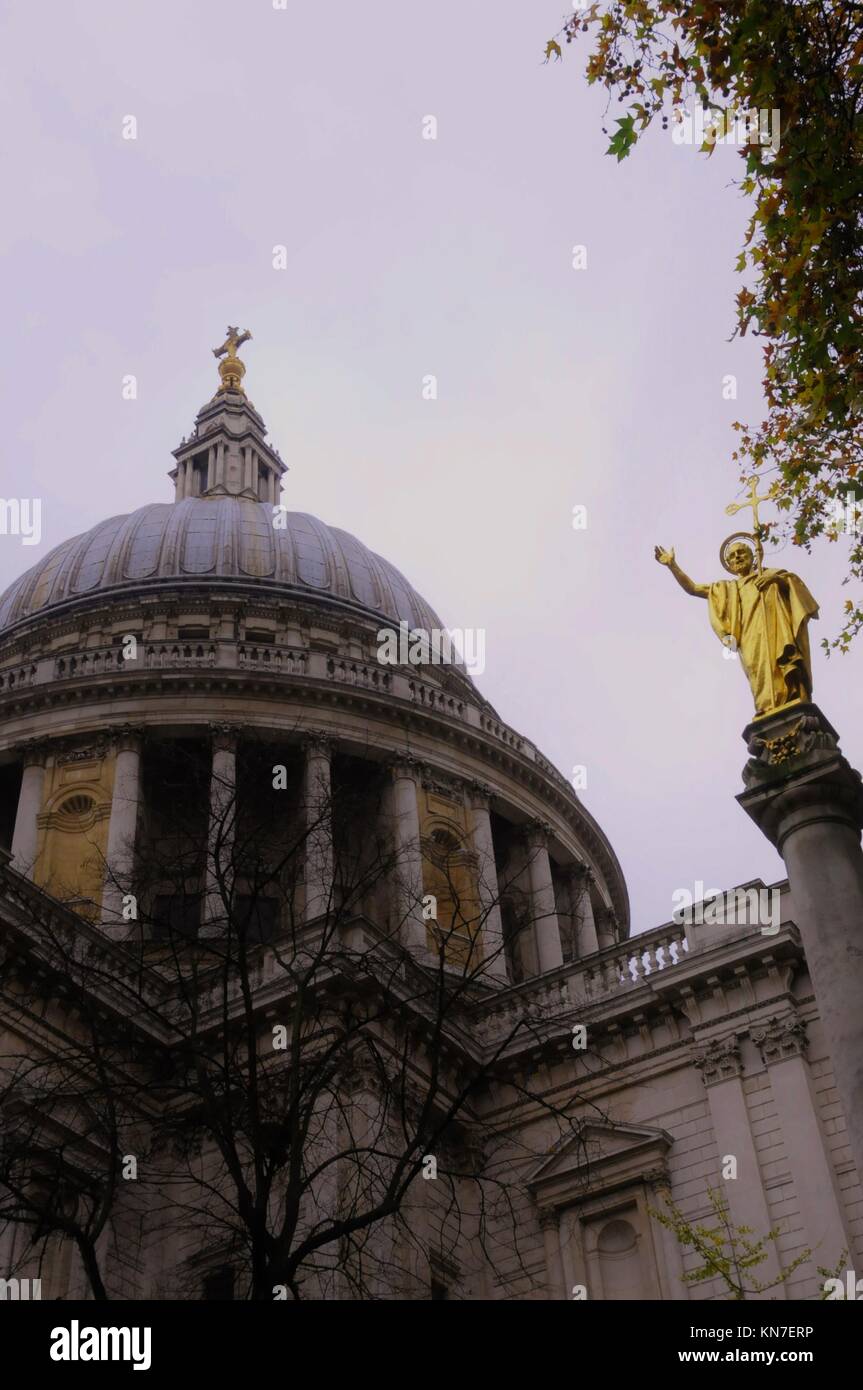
303,127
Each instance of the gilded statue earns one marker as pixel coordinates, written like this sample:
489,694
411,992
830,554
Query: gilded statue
761,614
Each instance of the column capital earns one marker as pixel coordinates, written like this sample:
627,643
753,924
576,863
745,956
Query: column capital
581,874
479,794
549,1219
406,765
224,737
126,737
720,1060
34,752
782,1036
536,833
319,741
658,1178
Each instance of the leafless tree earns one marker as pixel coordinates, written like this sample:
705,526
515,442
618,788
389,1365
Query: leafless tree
315,1102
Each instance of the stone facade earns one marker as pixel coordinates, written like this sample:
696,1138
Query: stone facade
703,1044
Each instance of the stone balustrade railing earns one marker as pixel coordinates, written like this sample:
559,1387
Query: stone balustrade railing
368,677
273,660
95,662
162,655
607,972
16,677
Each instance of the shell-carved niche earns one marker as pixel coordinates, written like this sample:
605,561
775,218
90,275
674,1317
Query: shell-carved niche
73,827
450,877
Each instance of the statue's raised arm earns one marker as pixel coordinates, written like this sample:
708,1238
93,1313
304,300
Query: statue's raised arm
689,586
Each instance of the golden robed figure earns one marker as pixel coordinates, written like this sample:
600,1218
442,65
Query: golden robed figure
762,614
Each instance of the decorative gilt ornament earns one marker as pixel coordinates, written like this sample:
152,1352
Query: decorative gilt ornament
762,614
232,370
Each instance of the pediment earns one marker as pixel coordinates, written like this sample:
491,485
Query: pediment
600,1157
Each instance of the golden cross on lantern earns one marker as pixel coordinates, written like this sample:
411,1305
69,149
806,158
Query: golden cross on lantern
752,500
231,369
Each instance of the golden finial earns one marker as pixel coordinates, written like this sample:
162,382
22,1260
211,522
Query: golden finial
232,370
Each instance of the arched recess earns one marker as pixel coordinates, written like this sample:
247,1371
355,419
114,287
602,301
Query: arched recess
619,1255
450,876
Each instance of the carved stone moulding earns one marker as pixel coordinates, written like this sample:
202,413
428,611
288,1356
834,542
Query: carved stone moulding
783,742
719,1060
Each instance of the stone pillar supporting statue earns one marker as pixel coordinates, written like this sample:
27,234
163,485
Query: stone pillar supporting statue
808,801
489,892
405,773
25,836
122,831
543,908
721,1069
782,1043
318,849
221,829
585,941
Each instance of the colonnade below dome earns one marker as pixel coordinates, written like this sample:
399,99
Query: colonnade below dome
203,830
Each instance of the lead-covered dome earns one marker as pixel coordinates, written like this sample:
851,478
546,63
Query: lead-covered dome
224,539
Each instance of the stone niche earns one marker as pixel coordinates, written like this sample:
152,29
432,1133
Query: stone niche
73,826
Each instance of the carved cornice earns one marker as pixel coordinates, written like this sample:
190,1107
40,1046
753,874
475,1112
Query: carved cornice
720,1060
782,1036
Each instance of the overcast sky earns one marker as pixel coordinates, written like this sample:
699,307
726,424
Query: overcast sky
303,127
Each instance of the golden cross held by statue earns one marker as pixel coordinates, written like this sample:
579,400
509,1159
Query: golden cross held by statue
752,500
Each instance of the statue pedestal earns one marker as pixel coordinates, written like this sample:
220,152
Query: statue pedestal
808,801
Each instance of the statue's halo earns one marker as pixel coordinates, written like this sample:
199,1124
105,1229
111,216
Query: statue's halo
726,545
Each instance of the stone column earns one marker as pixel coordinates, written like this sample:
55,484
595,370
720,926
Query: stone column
318,851
122,830
573,1253
489,893
221,829
25,836
808,801
722,1072
606,928
782,1043
549,1222
405,773
543,908
669,1256
211,466
581,907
